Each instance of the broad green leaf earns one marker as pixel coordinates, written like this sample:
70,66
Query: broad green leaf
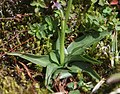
54,57
85,67
86,58
39,60
79,45
51,68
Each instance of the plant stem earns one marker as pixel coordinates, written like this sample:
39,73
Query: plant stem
63,28
68,10
62,38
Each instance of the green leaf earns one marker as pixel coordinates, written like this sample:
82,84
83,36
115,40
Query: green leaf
51,68
85,67
79,45
39,60
54,57
86,58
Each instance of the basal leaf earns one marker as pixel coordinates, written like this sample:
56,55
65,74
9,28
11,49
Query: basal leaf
79,45
39,60
51,68
54,57
86,58
85,67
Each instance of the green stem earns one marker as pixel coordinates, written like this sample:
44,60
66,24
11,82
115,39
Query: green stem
62,38
68,10
63,28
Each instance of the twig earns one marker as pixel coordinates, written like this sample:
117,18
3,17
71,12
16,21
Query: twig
27,70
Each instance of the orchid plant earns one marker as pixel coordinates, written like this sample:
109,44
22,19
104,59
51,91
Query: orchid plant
63,61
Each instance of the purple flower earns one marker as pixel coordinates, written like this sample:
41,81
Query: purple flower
57,5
